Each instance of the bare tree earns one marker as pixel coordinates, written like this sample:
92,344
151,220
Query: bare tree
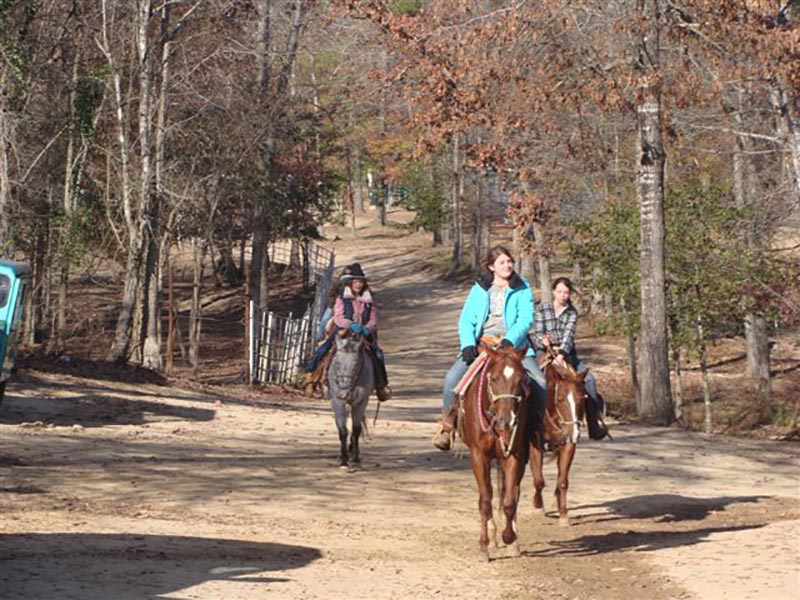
656,400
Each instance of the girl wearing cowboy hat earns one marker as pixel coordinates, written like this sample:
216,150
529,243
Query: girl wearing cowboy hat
355,310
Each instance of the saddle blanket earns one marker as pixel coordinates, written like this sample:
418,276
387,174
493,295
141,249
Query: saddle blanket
463,385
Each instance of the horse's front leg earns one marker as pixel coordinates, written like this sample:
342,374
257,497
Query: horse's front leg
355,456
513,471
358,415
565,456
537,460
480,467
340,414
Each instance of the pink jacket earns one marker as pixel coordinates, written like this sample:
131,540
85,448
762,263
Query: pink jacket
359,303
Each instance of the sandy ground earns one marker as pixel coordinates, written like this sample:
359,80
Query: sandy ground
130,491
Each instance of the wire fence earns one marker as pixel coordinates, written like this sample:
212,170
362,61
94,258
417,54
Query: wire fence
311,257
279,344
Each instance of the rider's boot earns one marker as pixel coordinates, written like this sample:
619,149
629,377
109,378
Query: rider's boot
444,439
309,384
594,420
383,392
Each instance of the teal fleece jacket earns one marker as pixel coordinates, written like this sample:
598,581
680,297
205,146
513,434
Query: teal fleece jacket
517,311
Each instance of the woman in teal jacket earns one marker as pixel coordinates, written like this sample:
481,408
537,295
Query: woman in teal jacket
500,306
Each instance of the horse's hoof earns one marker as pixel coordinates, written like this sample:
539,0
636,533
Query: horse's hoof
483,556
563,521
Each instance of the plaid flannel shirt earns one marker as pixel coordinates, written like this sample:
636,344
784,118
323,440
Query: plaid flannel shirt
561,328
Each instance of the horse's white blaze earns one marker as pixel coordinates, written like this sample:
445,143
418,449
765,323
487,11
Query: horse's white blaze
508,372
576,431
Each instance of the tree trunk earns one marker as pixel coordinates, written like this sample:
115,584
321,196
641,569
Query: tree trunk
122,335
195,316
656,401
69,180
169,367
151,353
151,349
357,179
455,199
744,193
228,271
758,360
263,51
260,238
5,181
294,254
524,257
633,360
134,220
350,198
477,229
544,263
789,128
380,205
676,356
707,421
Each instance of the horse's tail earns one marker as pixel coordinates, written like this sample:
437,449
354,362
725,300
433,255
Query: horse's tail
365,425
377,410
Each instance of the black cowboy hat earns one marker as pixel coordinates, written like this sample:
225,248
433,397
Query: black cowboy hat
355,272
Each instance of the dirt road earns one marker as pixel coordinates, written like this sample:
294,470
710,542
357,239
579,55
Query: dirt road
115,490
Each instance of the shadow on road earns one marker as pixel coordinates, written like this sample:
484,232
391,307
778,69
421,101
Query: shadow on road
135,567
657,508
638,541
665,508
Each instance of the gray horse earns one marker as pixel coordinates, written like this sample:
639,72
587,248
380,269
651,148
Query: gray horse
351,379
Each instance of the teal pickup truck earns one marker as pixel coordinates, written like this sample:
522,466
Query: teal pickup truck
14,282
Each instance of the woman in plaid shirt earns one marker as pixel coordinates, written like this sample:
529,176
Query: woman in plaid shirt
554,327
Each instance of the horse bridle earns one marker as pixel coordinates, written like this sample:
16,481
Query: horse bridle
358,367
491,414
559,422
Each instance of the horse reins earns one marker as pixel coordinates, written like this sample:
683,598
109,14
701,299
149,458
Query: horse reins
353,379
559,422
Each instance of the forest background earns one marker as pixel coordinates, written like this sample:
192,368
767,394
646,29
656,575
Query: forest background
653,144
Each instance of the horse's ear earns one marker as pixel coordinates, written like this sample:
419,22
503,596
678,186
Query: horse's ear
521,352
582,376
492,352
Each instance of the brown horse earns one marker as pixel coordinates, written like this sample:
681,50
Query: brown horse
558,430
494,411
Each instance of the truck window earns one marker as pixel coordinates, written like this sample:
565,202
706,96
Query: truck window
5,288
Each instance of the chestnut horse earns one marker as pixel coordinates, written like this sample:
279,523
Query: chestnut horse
558,430
494,417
